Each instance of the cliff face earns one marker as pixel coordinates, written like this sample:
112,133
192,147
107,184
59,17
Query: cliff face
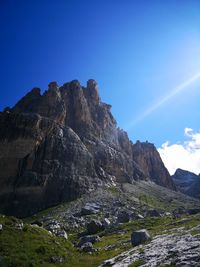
56,146
187,182
148,158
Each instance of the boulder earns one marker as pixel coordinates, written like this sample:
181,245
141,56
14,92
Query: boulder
193,211
140,237
88,238
123,217
94,227
153,213
90,208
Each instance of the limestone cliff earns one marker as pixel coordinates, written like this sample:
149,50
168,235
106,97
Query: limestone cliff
56,146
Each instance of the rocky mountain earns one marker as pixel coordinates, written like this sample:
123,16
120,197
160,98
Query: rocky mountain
187,182
57,146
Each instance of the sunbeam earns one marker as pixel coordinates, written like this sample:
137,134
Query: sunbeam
164,99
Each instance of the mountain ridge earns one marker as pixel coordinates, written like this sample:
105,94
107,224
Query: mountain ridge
62,144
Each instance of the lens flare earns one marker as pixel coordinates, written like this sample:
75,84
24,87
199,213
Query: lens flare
164,99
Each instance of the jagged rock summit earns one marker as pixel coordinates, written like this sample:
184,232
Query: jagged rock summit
56,146
187,182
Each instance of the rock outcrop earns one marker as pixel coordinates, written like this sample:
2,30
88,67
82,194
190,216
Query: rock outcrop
56,146
187,182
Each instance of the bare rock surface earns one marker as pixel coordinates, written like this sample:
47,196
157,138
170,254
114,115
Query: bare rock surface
179,247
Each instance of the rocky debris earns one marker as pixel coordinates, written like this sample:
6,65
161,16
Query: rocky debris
1,227
140,237
94,227
19,226
90,208
88,238
88,247
123,216
178,248
57,146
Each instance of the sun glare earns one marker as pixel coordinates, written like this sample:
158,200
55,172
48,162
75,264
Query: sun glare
163,100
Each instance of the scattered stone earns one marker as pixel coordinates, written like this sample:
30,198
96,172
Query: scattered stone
140,237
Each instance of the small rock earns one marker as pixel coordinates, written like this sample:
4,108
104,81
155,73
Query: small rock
57,259
61,233
87,247
90,208
19,226
94,227
37,223
1,227
139,237
106,222
153,213
135,216
53,226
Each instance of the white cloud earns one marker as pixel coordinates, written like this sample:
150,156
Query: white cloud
184,155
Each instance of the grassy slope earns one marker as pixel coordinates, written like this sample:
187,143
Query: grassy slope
34,246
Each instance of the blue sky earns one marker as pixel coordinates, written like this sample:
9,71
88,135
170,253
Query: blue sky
138,51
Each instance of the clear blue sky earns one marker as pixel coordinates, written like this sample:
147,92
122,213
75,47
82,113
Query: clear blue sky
137,50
